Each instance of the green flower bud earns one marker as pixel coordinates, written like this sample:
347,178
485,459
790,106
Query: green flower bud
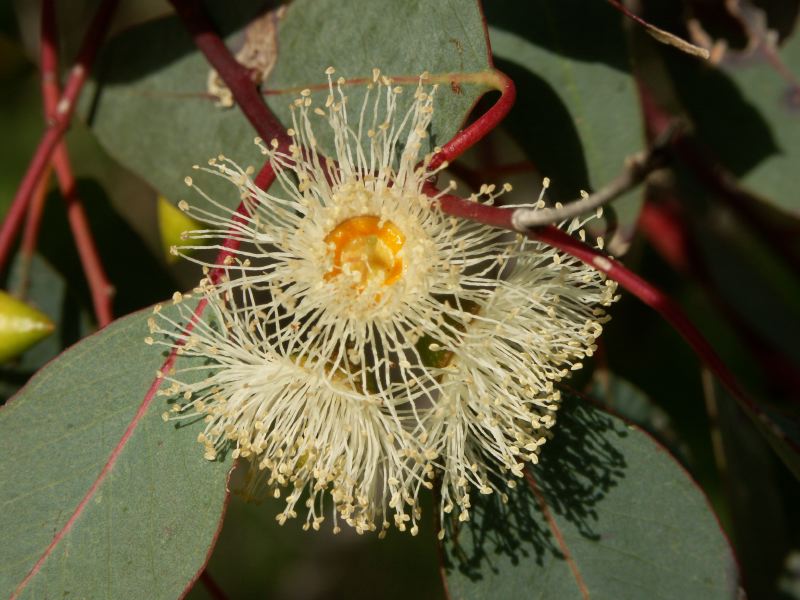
20,327
172,223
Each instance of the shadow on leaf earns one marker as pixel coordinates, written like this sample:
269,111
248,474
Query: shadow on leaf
576,470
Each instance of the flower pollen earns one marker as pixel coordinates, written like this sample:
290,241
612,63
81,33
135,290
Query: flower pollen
368,248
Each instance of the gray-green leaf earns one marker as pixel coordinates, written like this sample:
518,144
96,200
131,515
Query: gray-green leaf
152,110
101,498
607,513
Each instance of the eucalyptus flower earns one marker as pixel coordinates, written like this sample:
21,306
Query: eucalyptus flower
367,343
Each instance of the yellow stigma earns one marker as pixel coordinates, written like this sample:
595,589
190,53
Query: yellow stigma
367,246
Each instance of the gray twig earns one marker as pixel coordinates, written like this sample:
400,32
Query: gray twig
637,168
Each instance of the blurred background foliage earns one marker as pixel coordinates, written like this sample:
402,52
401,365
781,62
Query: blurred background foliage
717,229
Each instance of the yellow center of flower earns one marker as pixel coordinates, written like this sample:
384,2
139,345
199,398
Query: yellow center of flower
367,246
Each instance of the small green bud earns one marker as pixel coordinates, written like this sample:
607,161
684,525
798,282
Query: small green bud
172,224
20,327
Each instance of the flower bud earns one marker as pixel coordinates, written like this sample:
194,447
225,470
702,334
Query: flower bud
172,224
20,327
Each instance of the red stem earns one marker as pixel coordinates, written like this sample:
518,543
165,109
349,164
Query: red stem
31,232
650,295
101,289
99,286
235,75
667,234
56,128
212,587
474,211
477,130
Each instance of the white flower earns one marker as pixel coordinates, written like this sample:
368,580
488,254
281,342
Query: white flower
425,347
300,428
358,265
500,398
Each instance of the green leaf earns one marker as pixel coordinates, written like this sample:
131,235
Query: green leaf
577,111
622,398
102,498
777,98
746,111
153,112
607,513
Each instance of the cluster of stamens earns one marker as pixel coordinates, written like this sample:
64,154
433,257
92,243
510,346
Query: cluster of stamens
361,345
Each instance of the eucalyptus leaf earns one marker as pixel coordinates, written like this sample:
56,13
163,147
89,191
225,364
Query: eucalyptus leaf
577,111
607,513
776,96
154,106
622,398
754,127
107,500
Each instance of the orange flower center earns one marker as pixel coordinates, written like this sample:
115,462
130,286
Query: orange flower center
367,246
